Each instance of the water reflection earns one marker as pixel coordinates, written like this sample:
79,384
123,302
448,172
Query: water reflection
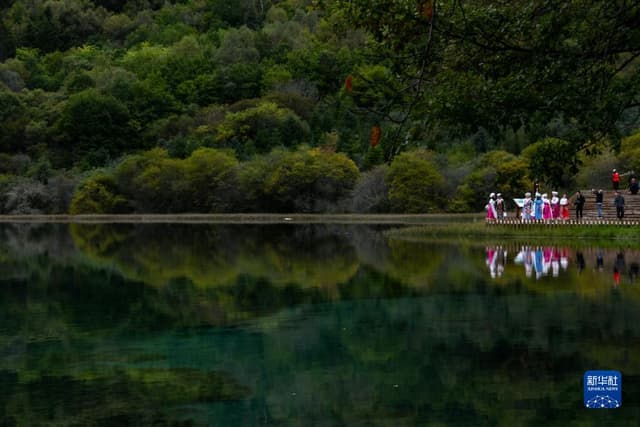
306,325
551,261
542,260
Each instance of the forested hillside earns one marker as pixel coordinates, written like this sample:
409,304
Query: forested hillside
311,106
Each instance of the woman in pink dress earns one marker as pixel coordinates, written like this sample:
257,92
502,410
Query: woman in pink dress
555,205
546,208
491,208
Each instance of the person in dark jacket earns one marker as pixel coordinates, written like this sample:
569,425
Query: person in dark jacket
633,185
579,204
599,198
619,202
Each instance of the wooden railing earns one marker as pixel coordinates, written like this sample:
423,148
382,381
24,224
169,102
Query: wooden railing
559,222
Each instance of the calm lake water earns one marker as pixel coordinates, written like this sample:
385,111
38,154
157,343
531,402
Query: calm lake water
250,325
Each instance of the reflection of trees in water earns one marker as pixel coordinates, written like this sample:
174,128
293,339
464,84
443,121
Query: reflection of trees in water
309,256
463,359
467,351
112,396
475,359
313,256
25,248
37,239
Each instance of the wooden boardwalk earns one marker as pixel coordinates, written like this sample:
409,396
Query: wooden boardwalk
590,212
516,222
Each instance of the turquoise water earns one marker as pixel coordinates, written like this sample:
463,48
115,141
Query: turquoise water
307,326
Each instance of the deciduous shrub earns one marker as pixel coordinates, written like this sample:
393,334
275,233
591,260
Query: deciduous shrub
98,195
415,184
310,180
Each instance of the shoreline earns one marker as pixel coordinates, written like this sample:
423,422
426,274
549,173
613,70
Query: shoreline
258,218
533,233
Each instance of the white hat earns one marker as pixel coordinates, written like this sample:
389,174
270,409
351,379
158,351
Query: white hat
527,194
499,194
492,195
554,193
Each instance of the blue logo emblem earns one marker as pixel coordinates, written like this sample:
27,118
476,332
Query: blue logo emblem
602,389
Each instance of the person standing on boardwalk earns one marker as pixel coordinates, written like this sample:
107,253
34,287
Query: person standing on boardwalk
619,202
547,213
491,208
564,209
500,212
579,203
555,207
633,183
538,206
615,179
599,198
527,207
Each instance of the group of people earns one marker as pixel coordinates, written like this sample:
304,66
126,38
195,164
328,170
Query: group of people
495,207
633,181
541,207
618,201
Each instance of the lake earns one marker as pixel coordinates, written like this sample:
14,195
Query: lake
308,325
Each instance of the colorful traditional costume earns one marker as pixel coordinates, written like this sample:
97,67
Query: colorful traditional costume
491,208
538,206
527,208
546,208
564,209
555,207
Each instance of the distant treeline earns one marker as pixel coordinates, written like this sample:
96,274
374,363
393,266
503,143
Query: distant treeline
117,104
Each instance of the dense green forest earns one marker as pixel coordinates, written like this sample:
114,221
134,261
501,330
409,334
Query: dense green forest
311,106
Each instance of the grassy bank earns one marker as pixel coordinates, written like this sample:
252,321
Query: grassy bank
602,235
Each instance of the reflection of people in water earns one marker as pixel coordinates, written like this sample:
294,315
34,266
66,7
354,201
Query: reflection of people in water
543,259
525,257
555,262
501,261
618,268
634,268
599,260
564,259
538,262
550,261
580,261
528,261
620,264
496,258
